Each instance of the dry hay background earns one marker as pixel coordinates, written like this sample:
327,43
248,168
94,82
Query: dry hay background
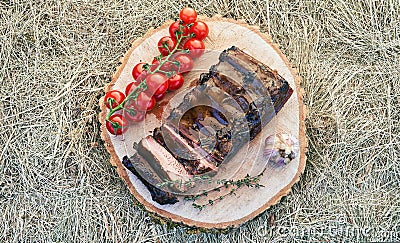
55,180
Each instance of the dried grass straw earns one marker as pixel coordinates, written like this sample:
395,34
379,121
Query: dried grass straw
55,180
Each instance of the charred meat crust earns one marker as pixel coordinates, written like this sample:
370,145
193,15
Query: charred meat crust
157,195
257,73
256,111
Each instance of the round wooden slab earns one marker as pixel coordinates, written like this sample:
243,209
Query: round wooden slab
233,210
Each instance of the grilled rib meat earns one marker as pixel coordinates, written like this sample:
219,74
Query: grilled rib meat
257,77
228,107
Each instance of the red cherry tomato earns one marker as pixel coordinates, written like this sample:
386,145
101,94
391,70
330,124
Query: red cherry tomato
180,27
199,29
166,45
115,97
175,82
185,61
141,77
188,15
157,83
195,46
132,114
136,118
144,102
159,97
138,70
117,124
154,65
141,100
129,88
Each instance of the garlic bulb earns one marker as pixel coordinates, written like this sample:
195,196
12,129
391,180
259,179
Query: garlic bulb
281,148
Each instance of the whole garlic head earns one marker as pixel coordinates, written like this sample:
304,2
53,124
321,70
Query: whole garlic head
281,148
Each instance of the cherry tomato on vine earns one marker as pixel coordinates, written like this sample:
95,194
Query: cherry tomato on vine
175,82
185,62
188,15
136,118
137,71
144,102
199,29
117,124
115,97
195,46
141,77
154,65
180,27
166,45
159,97
157,83
132,114
129,88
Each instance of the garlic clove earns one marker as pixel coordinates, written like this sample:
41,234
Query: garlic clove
281,148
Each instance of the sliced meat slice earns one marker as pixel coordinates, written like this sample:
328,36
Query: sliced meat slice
145,170
215,155
188,152
137,165
190,166
181,148
165,165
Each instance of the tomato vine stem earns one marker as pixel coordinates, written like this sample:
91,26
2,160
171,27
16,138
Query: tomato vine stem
143,85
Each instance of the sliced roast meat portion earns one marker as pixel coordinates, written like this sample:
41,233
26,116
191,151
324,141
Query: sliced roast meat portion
213,156
149,180
162,161
194,160
197,154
